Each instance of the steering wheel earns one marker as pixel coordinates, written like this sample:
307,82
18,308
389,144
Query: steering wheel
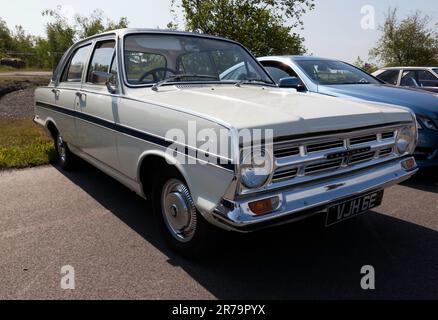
154,73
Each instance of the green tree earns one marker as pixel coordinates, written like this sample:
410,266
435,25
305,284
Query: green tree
6,41
264,26
410,41
366,66
60,34
97,23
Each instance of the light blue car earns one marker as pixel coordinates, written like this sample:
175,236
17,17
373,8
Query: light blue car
340,79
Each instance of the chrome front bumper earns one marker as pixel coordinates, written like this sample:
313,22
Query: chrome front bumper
301,201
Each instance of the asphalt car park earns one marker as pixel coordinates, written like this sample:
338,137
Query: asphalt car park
84,219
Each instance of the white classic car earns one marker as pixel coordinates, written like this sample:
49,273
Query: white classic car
150,109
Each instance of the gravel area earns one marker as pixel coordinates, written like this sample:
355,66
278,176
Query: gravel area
17,104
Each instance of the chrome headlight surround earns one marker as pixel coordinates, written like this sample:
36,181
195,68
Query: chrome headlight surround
256,168
406,140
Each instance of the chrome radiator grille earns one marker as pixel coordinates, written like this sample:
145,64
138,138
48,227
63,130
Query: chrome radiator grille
325,155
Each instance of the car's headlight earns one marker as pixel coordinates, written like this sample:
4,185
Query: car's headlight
256,168
426,123
406,139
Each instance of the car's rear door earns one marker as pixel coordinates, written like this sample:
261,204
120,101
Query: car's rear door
97,107
65,93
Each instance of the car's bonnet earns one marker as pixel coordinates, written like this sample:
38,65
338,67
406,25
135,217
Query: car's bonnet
285,111
421,102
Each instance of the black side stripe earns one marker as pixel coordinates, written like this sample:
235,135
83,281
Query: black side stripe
128,131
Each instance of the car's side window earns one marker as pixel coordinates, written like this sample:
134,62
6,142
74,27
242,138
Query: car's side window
409,79
74,69
390,76
102,58
427,79
278,70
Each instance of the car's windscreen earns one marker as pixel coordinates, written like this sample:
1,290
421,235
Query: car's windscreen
151,58
435,70
331,72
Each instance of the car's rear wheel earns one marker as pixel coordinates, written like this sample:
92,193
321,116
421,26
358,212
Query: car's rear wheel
183,227
65,158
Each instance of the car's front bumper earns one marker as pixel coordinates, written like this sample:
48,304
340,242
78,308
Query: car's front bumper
426,152
301,201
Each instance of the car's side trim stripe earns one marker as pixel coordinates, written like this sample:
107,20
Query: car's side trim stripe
128,131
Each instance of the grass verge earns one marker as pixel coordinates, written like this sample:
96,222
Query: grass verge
11,69
24,144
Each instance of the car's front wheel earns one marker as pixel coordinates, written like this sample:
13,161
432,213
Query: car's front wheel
65,158
184,228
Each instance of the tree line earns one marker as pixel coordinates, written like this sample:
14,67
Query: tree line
266,27
60,33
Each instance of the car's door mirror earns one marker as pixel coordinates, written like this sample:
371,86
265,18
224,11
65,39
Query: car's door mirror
103,78
292,82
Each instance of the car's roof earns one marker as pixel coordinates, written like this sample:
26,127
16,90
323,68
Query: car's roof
412,68
296,58
125,31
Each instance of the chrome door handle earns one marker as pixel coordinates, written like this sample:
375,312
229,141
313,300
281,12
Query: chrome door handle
56,92
81,95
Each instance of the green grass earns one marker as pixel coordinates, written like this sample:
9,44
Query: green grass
24,144
11,69
6,69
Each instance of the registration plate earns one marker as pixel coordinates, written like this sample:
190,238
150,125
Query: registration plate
353,208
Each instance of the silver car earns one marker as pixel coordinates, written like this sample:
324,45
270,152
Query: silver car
151,109
424,78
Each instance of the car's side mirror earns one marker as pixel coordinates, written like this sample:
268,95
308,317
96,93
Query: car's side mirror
292,82
100,77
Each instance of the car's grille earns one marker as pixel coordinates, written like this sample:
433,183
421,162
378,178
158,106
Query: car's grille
386,152
364,139
388,135
324,146
363,157
284,174
286,151
323,166
325,155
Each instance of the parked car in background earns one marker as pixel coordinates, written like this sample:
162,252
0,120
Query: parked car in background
119,100
424,78
13,62
340,79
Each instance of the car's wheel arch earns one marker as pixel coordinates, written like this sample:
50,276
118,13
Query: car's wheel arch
51,127
149,164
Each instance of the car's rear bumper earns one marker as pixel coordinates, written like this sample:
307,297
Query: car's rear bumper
302,201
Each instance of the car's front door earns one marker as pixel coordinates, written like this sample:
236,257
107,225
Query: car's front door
98,108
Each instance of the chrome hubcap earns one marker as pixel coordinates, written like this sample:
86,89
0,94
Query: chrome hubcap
61,148
178,210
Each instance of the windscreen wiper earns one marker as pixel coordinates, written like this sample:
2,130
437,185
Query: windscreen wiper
181,76
249,81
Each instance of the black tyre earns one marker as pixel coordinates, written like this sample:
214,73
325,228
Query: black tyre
65,159
184,228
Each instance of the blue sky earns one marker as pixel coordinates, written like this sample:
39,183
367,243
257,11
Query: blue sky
333,29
